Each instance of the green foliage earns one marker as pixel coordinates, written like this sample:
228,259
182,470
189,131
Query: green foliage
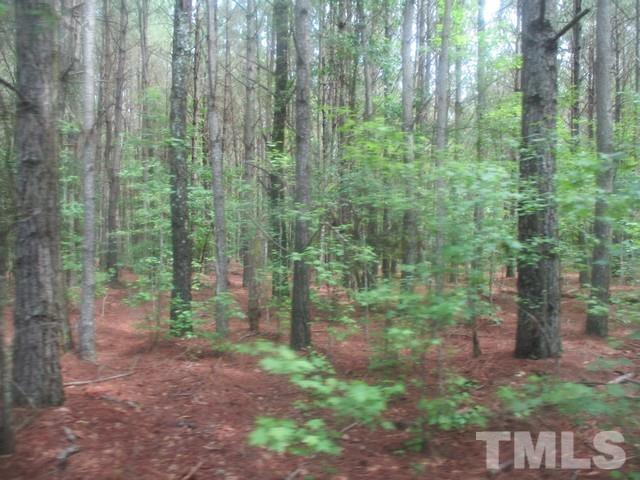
611,403
346,400
284,435
617,475
454,409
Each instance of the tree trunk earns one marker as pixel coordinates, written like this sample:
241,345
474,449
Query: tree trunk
410,216
86,325
440,143
38,313
181,323
7,439
477,264
113,169
574,122
249,236
598,314
300,328
280,273
215,151
538,332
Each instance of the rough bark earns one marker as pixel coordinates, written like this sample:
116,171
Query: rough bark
477,264
7,439
86,325
574,121
598,314
38,312
113,169
180,236
300,328
215,152
249,234
280,274
410,217
440,142
538,331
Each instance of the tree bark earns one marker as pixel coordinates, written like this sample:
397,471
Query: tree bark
180,236
215,152
440,142
574,120
538,331
280,274
113,169
38,312
7,439
300,328
410,216
249,236
86,325
477,264
598,314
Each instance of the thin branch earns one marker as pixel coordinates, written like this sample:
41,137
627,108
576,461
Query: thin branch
12,88
570,25
98,380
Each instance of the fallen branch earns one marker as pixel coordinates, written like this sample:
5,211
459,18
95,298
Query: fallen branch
503,467
98,380
295,473
621,379
193,471
64,455
349,427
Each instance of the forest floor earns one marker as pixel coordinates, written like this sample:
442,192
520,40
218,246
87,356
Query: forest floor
184,413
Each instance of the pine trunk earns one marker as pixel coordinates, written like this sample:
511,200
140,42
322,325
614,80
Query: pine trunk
538,331
180,236
598,315
215,152
86,326
300,328
38,313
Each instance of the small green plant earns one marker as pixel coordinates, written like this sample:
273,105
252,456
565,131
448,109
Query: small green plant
348,401
455,409
285,435
611,403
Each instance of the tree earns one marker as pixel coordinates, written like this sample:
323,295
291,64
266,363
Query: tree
279,279
538,332
250,238
180,237
86,326
477,270
38,314
598,314
300,328
215,152
113,167
440,141
574,119
410,218
7,438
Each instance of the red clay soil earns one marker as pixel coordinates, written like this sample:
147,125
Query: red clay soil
184,413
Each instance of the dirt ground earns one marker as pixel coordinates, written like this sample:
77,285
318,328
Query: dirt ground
184,413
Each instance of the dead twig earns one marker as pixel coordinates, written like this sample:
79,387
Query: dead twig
64,455
349,427
98,380
621,379
294,474
193,471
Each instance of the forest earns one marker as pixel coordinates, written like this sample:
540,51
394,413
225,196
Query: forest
303,239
